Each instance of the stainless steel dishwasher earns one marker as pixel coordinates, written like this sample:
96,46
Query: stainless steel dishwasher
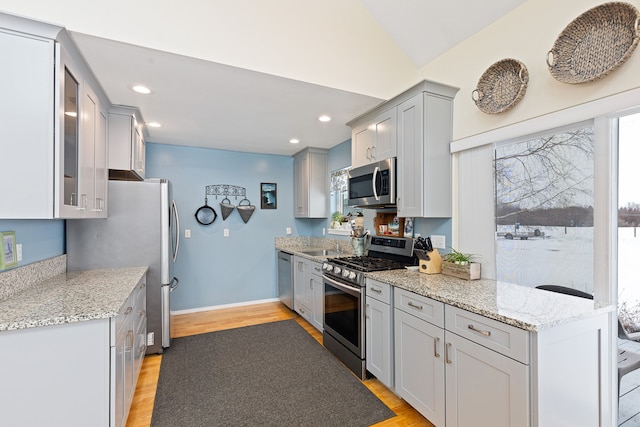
285,278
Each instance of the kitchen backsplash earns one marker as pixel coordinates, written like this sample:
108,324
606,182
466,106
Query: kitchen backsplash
21,278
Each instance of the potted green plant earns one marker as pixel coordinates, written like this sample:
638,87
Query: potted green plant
461,265
336,219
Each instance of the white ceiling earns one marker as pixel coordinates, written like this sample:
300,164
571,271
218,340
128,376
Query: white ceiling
206,104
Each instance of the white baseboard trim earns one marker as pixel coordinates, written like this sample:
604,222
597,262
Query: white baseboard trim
218,307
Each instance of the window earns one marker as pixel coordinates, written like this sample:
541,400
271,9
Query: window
339,203
543,189
628,221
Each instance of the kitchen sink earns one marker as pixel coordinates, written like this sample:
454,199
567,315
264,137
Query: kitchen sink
322,252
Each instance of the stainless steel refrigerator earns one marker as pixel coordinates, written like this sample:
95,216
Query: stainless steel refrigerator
143,228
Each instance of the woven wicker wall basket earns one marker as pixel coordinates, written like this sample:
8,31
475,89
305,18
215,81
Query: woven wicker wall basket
595,43
501,86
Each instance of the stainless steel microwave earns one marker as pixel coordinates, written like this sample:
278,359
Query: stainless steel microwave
373,185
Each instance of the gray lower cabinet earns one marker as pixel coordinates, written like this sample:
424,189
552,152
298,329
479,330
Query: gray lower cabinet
419,354
446,377
128,352
74,374
308,295
379,331
461,369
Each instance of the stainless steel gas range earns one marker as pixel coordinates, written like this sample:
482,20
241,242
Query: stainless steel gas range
344,297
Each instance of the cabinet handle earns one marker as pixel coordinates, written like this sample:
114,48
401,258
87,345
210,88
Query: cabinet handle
311,283
99,204
368,153
83,201
128,347
316,268
377,291
128,310
411,304
142,285
436,340
142,313
373,152
366,311
446,353
480,331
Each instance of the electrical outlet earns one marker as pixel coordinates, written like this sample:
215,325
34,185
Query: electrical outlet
150,338
226,232
438,241
288,230
19,251
187,233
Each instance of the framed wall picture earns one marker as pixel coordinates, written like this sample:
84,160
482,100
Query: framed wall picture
268,195
8,256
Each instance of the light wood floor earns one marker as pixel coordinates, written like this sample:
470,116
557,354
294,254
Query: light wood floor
217,320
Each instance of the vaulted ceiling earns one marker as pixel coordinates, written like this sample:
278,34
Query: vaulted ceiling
249,76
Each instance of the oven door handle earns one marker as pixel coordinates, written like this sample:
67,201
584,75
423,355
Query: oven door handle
352,290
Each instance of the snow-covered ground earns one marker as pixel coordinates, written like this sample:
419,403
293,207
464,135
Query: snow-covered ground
564,256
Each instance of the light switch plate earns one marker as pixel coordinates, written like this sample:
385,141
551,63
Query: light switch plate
438,241
187,233
226,232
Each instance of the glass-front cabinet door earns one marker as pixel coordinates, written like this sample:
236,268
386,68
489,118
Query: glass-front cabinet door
68,147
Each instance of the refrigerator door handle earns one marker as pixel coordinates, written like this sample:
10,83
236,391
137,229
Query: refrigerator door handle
174,208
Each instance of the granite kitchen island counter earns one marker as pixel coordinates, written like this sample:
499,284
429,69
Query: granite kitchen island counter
520,306
70,297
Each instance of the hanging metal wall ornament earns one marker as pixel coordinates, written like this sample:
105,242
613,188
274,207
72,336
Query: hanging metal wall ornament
226,190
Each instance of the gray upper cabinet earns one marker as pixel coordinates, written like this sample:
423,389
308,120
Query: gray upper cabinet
415,127
374,140
424,160
311,183
126,143
54,126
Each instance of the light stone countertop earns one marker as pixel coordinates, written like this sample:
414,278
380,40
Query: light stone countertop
520,306
69,297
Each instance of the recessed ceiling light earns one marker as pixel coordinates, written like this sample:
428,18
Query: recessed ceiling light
154,124
142,89
294,141
324,118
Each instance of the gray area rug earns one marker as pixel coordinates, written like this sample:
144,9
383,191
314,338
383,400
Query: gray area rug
274,374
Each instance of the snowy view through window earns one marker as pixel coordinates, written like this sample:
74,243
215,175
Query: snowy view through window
628,221
544,210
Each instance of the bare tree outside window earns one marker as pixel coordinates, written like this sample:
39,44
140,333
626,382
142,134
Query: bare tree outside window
544,210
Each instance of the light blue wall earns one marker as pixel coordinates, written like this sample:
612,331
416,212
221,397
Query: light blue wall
213,269
40,239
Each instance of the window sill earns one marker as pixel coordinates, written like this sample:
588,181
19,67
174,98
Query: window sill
339,232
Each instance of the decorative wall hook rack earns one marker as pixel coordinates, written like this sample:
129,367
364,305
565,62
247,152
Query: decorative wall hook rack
225,190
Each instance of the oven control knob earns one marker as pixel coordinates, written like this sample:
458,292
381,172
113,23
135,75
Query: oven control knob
352,275
325,266
345,273
337,270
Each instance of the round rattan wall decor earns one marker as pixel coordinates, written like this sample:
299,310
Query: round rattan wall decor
595,43
501,86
